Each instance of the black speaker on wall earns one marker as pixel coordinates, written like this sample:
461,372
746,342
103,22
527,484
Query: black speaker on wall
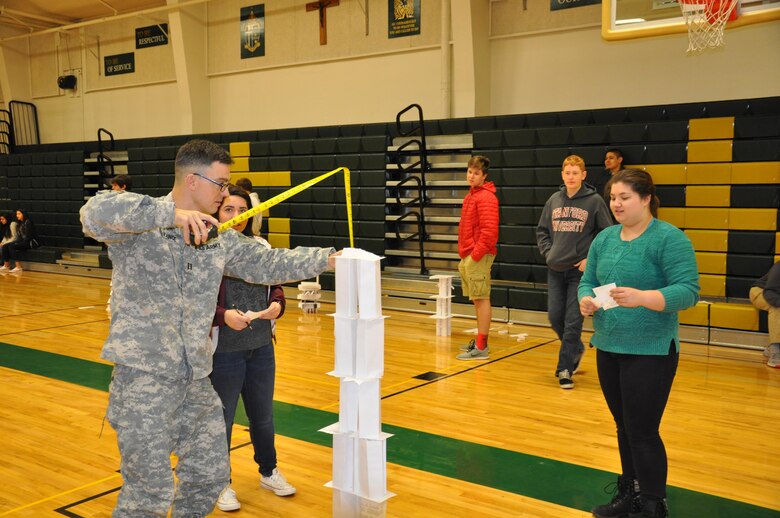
66,82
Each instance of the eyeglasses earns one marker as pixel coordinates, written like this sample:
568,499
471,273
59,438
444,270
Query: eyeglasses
222,186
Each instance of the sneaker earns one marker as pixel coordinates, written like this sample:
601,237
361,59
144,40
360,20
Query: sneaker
277,483
228,501
469,346
564,379
16,270
774,356
475,354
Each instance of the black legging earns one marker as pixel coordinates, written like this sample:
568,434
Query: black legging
636,388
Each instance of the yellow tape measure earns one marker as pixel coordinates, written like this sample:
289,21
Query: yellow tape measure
289,193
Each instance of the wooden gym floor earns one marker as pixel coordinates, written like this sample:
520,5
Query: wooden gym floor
496,438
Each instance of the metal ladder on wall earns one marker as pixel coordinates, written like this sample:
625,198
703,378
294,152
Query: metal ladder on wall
427,175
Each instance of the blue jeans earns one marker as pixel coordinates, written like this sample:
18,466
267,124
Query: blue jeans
563,311
250,374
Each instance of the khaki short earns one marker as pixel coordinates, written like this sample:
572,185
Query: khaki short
475,276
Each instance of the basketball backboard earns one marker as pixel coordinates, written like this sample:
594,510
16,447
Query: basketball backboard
628,19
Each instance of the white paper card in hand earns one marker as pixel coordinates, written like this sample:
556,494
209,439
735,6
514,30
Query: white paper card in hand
603,298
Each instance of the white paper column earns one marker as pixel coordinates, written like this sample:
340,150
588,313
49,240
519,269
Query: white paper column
359,445
443,314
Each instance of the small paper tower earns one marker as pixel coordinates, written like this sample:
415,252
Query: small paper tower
359,450
309,296
443,314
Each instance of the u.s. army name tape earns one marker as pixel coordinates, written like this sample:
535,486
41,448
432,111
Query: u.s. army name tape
289,193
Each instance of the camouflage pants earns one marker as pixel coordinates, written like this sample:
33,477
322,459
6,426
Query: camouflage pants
153,417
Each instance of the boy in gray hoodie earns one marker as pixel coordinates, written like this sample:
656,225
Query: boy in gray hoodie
570,220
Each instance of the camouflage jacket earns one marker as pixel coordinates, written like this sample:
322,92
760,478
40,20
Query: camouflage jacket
165,292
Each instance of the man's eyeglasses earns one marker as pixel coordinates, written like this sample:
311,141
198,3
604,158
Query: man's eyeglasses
222,186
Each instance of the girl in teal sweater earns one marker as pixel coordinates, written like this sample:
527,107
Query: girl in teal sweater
653,266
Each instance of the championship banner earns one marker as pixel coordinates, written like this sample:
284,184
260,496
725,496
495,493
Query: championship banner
557,5
403,18
253,31
119,64
151,36
289,193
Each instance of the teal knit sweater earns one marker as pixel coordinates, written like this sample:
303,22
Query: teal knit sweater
662,258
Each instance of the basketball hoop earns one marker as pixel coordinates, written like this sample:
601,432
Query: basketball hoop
706,20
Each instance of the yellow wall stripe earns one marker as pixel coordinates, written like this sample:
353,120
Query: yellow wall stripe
711,262
734,316
710,151
709,240
673,215
279,240
712,285
716,219
239,149
755,172
709,174
240,164
752,219
710,129
698,315
666,174
265,179
278,225
708,195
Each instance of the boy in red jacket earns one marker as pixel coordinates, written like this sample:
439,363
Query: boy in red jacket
477,238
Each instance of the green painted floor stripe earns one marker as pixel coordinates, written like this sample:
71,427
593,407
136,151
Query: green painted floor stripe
540,478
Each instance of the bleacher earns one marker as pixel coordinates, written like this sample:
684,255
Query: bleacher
717,166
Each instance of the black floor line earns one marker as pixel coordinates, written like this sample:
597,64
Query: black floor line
53,327
481,364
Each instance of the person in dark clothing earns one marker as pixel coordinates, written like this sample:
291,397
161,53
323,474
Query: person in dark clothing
613,162
26,238
765,295
570,220
244,361
122,182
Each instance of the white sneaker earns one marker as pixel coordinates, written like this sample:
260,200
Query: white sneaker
277,483
16,270
228,501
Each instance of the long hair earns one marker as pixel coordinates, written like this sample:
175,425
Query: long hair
5,229
640,182
234,190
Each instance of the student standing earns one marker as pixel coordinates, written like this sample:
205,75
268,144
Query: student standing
653,266
477,239
166,281
570,220
244,361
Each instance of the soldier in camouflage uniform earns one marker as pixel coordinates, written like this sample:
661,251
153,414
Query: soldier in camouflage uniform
165,292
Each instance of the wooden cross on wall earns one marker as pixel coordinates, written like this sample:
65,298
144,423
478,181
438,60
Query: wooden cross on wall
322,6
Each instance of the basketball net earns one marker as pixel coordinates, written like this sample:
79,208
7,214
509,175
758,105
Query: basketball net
706,20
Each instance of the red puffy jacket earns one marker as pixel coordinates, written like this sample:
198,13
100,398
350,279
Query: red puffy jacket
478,227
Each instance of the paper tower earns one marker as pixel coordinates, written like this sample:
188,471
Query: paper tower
309,296
359,451
443,314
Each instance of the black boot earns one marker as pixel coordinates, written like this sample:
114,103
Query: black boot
648,507
620,505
